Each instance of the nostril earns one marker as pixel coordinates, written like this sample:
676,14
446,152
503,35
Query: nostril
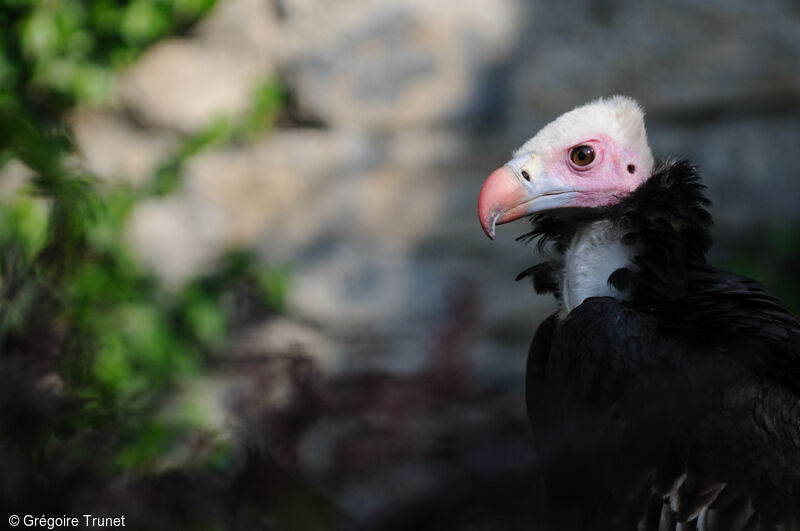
631,168
526,175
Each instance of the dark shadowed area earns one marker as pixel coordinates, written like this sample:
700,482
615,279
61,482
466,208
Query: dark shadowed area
242,280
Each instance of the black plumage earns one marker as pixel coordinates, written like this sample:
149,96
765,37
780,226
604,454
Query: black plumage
676,406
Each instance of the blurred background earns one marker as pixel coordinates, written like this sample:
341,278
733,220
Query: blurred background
242,281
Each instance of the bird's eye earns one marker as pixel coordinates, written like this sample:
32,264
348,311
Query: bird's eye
582,155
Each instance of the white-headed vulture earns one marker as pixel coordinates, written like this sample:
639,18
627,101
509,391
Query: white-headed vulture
664,393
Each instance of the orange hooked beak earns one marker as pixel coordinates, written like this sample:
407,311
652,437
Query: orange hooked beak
517,189
502,199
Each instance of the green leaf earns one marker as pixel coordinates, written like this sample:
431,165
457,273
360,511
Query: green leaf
274,287
24,222
40,35
205,319
111,365
143,21
92,84
192,8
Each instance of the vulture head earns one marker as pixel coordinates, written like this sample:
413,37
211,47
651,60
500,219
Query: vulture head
589,157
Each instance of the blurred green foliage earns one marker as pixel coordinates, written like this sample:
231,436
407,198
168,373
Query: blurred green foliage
58,52
124,342
267,100
94,352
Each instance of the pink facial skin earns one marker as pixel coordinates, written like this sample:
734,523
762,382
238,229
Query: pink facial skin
556,182
601,182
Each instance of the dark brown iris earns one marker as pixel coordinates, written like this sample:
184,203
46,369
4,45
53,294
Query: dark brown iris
581,155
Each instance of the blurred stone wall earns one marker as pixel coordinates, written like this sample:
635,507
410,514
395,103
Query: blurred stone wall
367,192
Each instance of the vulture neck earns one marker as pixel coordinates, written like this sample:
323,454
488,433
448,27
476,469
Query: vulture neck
595,253
638,249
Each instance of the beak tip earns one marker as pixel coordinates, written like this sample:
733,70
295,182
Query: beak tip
488,225
501,193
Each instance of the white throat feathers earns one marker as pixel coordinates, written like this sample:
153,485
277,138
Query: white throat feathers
596,251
